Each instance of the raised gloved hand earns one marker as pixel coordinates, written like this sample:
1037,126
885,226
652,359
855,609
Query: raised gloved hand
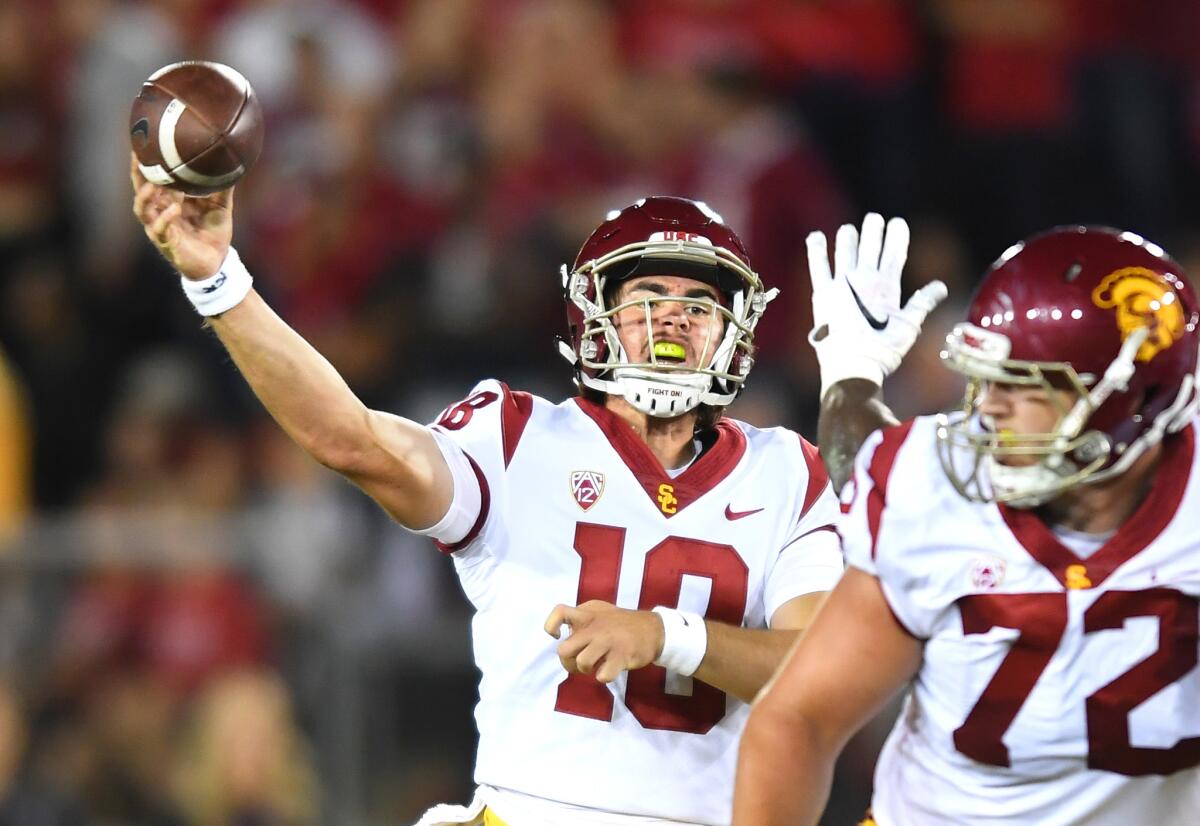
860,331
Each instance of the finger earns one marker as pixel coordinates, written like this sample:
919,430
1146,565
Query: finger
924,300
589,658
141,197
870,243
135,172
163,227
608,669
895,250
156,202
150,200
572,645
554,621
845,250
818,259
561,615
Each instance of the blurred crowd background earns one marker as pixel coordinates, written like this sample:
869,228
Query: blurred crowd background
198,625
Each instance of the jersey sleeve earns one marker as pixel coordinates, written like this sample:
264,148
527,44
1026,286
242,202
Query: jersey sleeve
811,558
484,428
875,535
466,498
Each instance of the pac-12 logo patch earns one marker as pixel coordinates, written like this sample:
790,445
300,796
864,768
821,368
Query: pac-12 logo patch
987,572
586,487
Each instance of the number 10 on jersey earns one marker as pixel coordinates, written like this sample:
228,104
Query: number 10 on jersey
600,548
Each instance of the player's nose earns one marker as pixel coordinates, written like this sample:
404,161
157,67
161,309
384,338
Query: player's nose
673,314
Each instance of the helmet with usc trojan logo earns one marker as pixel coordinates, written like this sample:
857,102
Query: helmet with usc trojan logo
662,236
1102,313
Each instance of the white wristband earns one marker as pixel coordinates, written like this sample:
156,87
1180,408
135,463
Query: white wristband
223,291
685,640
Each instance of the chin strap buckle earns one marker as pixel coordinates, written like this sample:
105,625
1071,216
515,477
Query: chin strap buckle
567,351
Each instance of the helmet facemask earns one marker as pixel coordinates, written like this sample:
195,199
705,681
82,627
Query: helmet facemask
972,452
660,384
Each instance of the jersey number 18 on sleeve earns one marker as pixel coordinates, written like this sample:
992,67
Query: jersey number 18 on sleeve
600,548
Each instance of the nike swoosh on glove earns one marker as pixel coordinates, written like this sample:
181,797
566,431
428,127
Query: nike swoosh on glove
860,331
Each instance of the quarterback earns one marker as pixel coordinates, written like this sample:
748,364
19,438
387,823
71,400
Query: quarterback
638,563
1028,566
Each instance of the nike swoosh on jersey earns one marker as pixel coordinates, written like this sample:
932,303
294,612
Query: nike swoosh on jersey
862,308
731,514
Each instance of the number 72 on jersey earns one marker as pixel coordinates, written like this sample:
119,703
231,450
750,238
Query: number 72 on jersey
1041,620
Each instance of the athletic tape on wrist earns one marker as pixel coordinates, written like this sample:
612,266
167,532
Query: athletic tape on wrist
685,640
222,291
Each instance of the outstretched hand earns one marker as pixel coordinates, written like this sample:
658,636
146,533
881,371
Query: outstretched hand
193,234
860,330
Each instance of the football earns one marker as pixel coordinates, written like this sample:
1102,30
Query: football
196,126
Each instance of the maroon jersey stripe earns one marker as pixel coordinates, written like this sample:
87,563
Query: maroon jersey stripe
818,477
514,415
879,470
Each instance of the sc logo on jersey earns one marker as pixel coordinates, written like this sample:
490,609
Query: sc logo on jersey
666,498
586,487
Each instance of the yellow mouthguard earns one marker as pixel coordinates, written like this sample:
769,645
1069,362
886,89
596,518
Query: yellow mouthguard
669,349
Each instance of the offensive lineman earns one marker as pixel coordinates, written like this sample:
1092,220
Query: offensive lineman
664,538
1030,564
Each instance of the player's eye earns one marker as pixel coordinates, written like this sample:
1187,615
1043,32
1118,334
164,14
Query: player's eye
1001,387
699,310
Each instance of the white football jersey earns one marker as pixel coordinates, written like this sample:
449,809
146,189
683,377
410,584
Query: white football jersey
576,507
1055,688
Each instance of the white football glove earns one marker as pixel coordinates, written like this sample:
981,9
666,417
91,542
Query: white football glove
860,331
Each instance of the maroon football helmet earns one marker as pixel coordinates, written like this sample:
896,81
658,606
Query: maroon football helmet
1103,313
662,236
